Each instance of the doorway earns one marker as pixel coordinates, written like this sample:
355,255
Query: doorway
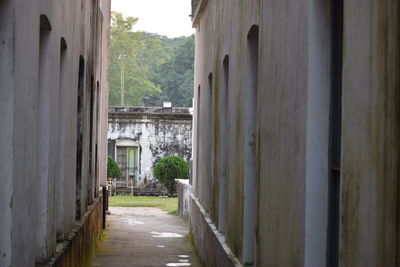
127,158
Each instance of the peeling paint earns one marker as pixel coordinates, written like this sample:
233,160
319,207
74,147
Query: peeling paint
159,133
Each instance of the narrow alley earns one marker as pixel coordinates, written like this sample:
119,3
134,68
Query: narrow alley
145,237
291,145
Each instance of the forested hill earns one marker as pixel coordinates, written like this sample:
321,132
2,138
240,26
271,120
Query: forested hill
147,69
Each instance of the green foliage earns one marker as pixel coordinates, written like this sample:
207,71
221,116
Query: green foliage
175,76
133,55
113,170
170,168
151,68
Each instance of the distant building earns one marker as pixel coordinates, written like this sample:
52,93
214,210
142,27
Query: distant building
140,136
53,129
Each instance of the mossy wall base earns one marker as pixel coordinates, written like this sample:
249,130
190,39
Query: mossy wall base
81,243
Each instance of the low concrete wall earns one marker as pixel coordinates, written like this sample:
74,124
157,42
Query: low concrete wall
184,190
81,243
209,243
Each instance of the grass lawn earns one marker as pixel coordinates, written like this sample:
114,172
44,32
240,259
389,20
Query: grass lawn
169,205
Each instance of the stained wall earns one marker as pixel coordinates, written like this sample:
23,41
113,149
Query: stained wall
158,132
41,43
299,44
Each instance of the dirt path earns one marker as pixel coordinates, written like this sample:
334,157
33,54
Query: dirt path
145,237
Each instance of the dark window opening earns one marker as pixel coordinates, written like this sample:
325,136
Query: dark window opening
208,189
335,135
79,146
91,139
96,168
223,149
62,97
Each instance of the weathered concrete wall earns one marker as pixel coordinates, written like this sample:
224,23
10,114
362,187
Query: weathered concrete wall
291,142
158,132
370,136
205,237
210,244
6,133
80,244
184,190
41,43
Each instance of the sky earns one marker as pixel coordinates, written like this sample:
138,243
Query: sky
165,17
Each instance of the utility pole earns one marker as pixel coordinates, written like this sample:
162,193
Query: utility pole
122,81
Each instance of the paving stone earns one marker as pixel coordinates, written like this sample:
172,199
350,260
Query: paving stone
145,237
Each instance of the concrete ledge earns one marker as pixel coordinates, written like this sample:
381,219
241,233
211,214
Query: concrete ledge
198,12
184,190
128,114
82,241
210,244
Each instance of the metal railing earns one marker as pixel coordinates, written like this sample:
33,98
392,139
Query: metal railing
130,187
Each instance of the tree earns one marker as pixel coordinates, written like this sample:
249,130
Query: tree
175,76
132,57
113,170
170,168
147,68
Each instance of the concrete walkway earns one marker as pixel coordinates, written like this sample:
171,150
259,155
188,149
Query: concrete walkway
145,237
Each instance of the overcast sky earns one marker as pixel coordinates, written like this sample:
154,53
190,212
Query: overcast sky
165,17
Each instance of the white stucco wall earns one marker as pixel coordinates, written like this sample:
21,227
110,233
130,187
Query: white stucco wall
156,138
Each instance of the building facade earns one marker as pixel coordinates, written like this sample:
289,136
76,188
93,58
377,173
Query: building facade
138,137
296,133
53,128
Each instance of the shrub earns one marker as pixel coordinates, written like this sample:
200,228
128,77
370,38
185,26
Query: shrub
170,168
113,170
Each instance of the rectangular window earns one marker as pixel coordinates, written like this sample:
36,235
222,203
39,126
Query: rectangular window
96,168
122,160
208,177
128,162
131,163
79,141
62,98
335,135
91,176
